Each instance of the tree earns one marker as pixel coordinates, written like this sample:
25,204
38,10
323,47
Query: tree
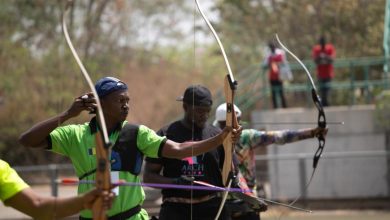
355,27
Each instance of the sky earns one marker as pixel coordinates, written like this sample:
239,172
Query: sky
181,22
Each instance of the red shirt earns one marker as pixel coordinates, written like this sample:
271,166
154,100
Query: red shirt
325,70
273,63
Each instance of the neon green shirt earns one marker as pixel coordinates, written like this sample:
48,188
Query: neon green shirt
10,182
78,143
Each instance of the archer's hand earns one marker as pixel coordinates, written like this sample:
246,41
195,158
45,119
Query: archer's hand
90,197
319,131
86,102
235,133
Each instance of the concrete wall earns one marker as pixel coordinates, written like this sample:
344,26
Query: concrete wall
338,175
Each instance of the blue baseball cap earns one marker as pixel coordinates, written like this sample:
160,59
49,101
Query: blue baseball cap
107,85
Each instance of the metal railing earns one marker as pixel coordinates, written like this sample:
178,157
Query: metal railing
364,74
51,171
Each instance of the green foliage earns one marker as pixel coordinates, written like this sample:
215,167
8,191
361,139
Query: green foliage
39,76
355,27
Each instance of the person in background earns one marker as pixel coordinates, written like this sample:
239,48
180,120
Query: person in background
274,60
14,192
324,54
77,141
251,139
187,204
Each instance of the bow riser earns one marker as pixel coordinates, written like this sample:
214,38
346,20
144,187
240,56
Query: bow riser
321,123
102,178
231,121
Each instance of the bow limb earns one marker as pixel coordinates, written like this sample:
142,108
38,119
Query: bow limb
229,70
102,179
321,120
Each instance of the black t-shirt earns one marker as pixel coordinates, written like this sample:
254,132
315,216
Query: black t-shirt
205,167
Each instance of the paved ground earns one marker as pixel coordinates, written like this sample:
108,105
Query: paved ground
328,215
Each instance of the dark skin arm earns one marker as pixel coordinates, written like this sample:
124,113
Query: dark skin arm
39,207
176,150
35,137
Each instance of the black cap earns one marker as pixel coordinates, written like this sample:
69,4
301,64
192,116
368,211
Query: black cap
197,95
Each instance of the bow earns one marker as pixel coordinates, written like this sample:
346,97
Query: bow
230,86
321,120
102,179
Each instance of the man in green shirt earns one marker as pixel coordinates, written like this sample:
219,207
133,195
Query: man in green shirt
78,143
16,193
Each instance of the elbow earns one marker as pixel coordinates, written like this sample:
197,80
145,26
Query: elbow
23,140
173,150
26,141
172,153
176,153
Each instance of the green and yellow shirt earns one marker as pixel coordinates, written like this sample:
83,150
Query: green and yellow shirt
10,182
78,143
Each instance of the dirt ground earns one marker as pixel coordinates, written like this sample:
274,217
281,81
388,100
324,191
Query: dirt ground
273,213
277,214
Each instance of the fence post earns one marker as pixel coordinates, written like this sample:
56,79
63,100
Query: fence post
352,78
53,179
